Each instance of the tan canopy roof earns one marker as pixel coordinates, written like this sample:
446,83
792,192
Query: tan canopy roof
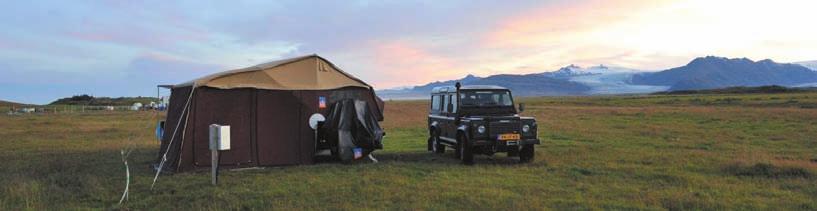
310,72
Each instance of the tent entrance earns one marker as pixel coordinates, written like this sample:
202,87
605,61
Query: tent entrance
277,125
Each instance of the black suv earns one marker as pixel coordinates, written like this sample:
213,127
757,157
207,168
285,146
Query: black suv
479,119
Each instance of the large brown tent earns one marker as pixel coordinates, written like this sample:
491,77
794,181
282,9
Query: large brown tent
267,107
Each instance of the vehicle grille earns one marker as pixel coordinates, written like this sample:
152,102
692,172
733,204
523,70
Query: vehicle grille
503,127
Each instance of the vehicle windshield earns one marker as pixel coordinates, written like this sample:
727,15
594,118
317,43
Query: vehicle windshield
486,98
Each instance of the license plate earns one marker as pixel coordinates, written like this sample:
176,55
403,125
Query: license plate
509,136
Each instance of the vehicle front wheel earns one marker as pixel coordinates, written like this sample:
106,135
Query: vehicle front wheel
466,153
436,146
458,151
333,152
526,153
429,146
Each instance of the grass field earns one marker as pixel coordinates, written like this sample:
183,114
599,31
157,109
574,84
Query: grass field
756,151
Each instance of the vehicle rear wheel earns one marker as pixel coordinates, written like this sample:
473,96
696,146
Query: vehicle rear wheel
465,152
436,146
458,151
526,153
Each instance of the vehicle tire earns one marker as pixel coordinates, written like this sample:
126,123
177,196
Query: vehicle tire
465,152
526,153
333,152
457,151
437,147
430,147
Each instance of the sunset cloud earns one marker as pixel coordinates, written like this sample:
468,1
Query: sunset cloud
386,43
407,62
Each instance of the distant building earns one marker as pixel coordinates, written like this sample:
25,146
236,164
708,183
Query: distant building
136,106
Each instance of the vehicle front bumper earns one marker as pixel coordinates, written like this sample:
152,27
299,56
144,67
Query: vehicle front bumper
505,143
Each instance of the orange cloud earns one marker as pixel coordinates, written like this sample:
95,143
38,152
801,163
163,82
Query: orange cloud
648,35
555,23
657,34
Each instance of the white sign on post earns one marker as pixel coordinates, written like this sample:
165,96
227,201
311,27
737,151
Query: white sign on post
219,137
219,140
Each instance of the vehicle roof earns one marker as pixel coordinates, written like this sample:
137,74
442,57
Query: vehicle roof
448,89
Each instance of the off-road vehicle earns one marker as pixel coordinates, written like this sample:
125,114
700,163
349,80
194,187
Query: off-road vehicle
479,119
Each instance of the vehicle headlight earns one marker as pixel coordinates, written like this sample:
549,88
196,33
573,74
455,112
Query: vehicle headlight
481,129
525,128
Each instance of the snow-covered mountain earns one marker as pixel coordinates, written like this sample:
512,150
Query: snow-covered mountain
568,80
701,73
615,83
566,72
604,79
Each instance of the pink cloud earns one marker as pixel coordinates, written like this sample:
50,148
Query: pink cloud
515,45
402,62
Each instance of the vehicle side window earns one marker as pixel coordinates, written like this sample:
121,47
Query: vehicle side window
454,101
435,103
446,99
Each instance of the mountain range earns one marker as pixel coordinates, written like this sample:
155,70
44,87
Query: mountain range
701,73
715,72
9,104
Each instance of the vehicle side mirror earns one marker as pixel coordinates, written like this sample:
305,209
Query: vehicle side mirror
450,107
521,107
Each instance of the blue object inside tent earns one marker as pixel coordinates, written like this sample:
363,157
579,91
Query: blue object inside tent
160,130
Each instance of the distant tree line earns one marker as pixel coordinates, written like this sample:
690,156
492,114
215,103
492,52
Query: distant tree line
103,101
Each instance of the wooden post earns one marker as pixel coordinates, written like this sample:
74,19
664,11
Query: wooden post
219,140
214,166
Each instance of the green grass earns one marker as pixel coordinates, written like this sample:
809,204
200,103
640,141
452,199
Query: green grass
756,151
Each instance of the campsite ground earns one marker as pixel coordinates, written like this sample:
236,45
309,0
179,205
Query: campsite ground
756,151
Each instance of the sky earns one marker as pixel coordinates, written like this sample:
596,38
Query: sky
53,49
